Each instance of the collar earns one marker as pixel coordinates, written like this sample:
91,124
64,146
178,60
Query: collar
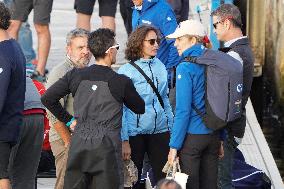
139,8
229,43
195,50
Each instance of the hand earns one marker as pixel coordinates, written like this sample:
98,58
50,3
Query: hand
126,150
73,124
172,156
66,142
221,151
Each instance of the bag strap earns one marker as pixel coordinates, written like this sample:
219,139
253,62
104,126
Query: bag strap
150,83
193,60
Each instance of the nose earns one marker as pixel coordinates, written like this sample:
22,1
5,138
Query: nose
85,50
175,44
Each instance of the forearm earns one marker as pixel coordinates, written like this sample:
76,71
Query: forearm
63,131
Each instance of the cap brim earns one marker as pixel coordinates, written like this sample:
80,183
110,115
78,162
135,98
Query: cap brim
174,35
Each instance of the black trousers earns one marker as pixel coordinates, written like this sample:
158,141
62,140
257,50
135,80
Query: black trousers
199,159
157,148
126,14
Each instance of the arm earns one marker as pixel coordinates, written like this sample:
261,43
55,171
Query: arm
132,99
52,96
183,107
59,126
5,74
169,26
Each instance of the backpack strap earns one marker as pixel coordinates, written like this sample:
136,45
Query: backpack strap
150,83
193,60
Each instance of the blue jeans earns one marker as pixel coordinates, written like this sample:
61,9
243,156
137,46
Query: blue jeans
25,40
226,163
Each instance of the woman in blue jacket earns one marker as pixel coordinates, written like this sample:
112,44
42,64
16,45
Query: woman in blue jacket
198,145
149,132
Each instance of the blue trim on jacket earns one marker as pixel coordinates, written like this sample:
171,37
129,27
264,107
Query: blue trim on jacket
155,119
189,89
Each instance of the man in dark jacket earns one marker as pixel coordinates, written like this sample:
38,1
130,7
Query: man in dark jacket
227,26
12,94
95,154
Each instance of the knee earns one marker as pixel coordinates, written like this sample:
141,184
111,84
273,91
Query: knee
42,29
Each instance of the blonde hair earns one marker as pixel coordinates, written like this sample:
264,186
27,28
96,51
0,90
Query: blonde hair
203,40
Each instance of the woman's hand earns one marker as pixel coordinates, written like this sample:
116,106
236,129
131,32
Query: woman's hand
172,156
221,150
126,150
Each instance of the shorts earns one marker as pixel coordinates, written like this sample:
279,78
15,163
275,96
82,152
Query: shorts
106,7
42,10
5,149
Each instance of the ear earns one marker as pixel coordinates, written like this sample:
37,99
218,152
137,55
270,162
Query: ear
68,49
193,40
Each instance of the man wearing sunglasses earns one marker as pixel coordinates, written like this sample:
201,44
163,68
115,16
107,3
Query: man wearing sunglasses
227,25
95,154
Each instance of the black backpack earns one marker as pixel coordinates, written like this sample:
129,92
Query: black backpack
223,88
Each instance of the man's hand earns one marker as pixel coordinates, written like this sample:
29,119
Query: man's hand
126,150
172,156
221,150
63,132
73,124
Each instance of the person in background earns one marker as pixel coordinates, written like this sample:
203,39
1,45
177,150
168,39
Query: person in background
227,26
181,9
125,7
95,154
12,94
25,155
84,10
42,10
198,145
77,56
167,184
148,133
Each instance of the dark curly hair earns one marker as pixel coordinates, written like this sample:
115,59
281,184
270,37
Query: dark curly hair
134,44
99,41
5,16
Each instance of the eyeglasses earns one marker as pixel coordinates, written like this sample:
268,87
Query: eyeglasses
113,47
153,41
216,23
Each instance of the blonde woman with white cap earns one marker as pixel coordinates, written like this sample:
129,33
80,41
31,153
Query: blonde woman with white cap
197,146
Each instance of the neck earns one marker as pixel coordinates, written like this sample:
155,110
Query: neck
4,35
103,62
235,33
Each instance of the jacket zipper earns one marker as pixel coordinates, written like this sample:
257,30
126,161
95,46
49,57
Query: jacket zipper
228,102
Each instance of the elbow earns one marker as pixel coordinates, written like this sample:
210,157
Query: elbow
141,109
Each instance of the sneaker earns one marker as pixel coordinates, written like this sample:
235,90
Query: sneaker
36,76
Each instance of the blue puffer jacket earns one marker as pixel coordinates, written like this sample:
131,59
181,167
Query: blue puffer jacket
159,14
189,90
155,119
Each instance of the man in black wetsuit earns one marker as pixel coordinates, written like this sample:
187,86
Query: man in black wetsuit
95,158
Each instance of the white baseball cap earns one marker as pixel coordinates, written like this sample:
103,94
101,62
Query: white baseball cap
188,27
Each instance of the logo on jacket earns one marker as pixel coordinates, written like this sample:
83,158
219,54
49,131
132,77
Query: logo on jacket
240,88
94,87
1,70
179,76
169,18
146,22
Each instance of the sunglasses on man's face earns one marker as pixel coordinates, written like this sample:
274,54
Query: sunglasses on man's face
113,47
153,41
220,21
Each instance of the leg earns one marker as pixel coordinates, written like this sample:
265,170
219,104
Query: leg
84,10
61,155
226,164
158,149
44,41
190,157
14,28
107,10
5,149
138,149
209,163
126,14
26,154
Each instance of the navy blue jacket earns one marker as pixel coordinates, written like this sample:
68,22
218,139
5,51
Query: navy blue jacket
12,89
